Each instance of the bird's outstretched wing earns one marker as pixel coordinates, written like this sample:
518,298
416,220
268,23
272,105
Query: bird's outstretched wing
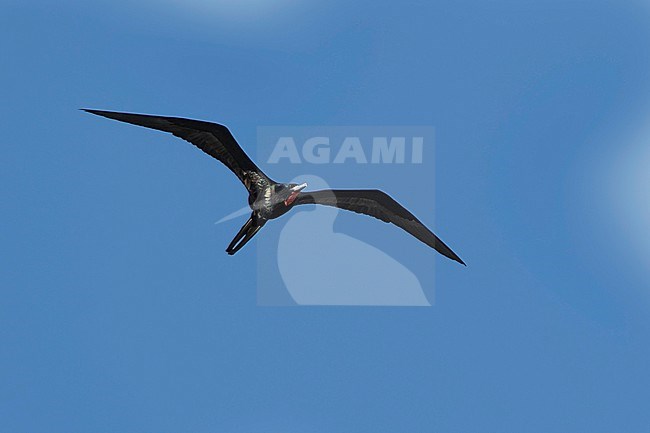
380,205
215,140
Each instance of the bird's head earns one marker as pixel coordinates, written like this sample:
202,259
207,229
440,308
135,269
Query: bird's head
290,192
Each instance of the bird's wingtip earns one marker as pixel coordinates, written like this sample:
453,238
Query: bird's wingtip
458,259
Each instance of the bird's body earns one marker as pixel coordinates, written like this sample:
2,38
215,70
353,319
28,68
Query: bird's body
269,199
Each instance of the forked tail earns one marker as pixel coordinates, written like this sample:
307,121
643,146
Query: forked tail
245,234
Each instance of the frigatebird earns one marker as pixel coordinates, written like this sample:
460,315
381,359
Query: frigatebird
269,199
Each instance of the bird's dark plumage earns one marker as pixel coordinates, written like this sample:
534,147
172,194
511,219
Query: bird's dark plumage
269,199
215,140
380,205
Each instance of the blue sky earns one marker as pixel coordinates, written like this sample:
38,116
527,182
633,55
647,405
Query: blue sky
120,311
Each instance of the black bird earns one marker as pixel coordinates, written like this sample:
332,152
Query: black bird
269,199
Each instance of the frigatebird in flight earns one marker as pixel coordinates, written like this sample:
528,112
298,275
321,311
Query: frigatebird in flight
269,199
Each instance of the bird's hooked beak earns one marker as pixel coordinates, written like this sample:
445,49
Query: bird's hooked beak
294,193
